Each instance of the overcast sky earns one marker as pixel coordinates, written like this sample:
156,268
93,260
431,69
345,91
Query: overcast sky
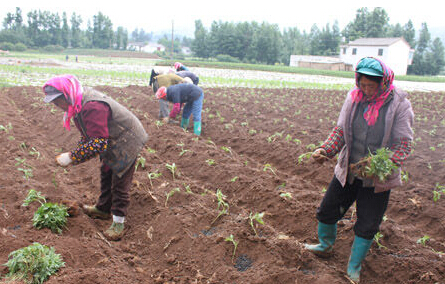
158,15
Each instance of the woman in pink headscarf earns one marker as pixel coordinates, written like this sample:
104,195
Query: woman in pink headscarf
374,115
107,129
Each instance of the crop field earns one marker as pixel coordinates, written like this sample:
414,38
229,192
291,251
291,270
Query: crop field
231,206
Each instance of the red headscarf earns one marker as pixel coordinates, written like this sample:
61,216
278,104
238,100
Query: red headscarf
385,88
72,90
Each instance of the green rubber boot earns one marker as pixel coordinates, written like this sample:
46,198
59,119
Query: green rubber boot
184,123
359,250
326,236
197,127
115,232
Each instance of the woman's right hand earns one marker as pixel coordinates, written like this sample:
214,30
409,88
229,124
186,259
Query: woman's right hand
319,155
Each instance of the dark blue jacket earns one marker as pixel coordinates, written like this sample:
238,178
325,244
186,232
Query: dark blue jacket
183,93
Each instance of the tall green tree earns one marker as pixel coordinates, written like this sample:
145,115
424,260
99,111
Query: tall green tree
199,44
409,33
102,31
76,32
65,31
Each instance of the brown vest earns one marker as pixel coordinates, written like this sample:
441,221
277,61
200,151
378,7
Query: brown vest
126,138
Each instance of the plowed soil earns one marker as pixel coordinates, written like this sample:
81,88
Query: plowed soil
249,150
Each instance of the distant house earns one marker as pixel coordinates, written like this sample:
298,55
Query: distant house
145,47
395,52
319,62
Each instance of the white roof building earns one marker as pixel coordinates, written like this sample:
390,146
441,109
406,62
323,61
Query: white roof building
145,47
394,52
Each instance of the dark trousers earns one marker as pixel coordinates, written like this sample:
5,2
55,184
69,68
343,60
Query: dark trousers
370,206
114,191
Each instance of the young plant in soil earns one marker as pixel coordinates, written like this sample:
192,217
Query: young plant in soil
221,204
303,157
32,196
170,194
377,238
256,217
173,169
423,240
153,175
33,264
210,162
269,167
286,195
140,162
235,244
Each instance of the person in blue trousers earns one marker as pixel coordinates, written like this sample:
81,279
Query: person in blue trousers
190,95
375,114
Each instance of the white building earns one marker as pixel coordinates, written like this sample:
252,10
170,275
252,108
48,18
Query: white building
394,52
319,62
145,47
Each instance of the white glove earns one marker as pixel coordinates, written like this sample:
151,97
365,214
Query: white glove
64,159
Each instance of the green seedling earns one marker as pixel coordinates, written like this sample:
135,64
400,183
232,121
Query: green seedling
304,156
27,173
150,150
153,175
436,195
34,152
234,179
227,149
288,138
256,217
170,194
158,123
252,131
323,189
223,206
286,195
377,238
140,161
6,128
173,169
33,264
183,151
23,146
404,176
187,189
423,240
20,161
269,167
311,147
210,162
32,196
235,244
52,216
384,218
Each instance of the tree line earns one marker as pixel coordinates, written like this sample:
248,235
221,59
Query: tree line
227,41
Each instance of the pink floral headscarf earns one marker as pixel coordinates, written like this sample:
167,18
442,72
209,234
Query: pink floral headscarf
379,99
72,90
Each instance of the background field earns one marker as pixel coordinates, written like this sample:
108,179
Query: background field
250,148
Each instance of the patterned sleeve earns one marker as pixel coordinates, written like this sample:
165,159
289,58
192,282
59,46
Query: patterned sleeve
334,143
87,149
401,150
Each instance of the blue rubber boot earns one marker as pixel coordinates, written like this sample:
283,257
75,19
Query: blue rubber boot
184,123
326,236
197,127
359,250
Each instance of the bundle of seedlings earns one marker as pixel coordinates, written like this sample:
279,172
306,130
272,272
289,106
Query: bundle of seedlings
378,165
33,264
49,215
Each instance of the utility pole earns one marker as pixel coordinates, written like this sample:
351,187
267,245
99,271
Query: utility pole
171,54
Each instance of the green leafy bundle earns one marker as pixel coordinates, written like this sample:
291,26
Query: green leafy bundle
33,264
380,164
50,215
